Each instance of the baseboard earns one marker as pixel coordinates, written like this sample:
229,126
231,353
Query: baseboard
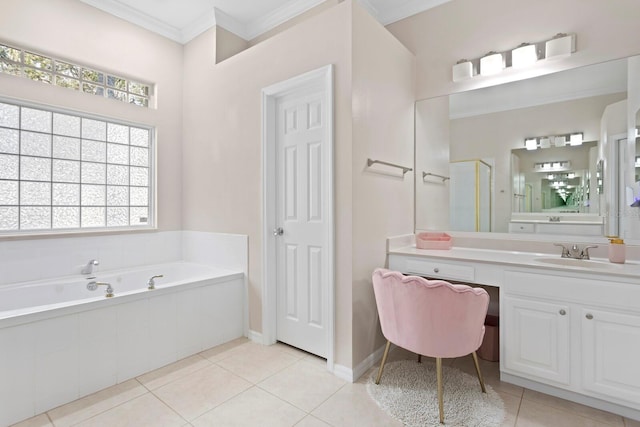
352,375
593,402
255,336
343,372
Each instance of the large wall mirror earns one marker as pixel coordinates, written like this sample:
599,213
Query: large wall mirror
544,155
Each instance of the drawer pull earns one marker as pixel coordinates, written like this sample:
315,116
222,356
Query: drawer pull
562,312
436,270
589,316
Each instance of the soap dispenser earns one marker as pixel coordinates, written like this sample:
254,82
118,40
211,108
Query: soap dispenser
616,250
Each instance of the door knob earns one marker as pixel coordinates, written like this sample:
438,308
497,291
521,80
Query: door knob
589,316
562,312
278,231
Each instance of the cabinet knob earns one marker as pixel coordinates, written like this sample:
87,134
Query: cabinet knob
589,316
562,312
436,270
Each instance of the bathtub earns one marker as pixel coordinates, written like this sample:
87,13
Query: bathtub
60,341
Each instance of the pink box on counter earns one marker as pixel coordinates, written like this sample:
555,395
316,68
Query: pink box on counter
430,240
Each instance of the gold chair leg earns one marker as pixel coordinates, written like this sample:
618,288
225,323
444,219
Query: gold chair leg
419,358
384,359
439,375
475,362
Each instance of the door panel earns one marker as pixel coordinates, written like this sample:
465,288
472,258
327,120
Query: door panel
301,139
537,339
610,346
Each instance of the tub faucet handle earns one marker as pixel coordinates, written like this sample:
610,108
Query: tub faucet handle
151,283
93,285
88,269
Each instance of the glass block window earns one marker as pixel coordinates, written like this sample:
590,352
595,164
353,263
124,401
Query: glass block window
65,171
45,69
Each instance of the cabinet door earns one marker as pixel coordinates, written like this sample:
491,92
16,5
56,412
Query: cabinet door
610,351
537,339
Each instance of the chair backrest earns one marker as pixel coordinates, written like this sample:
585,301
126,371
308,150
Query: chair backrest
430,317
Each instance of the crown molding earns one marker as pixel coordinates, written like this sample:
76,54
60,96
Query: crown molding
366,4
253,28
231,24
138,18
278,16
199,26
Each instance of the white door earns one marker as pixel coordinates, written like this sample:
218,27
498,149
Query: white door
301,224
537,339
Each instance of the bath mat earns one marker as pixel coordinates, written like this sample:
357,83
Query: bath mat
408,392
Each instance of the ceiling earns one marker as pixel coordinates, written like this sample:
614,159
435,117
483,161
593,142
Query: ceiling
182,20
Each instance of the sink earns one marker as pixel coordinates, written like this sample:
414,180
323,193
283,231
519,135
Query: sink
579,263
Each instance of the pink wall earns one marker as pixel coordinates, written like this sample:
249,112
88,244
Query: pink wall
470,28
71,30
373,118
382,112
222,141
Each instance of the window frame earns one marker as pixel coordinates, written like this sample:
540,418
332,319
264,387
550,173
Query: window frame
54,74
152,175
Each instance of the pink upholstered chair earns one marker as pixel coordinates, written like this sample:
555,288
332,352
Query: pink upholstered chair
430,317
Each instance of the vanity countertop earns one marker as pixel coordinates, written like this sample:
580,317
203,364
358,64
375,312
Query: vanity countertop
525,259
546,221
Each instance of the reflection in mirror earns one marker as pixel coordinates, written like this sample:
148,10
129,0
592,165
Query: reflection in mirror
541,186
492,124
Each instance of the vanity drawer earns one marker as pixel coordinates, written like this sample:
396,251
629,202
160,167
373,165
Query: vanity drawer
440,270
521,227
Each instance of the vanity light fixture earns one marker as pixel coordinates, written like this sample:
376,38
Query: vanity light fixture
560,141
492,63
532,143
560,45
575,139
550,176
637,162
555,166
462,70
524,55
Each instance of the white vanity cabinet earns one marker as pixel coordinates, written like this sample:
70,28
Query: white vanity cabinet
537,336
610,353
574,332
565,331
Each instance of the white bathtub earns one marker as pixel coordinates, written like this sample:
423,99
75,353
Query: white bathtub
60,341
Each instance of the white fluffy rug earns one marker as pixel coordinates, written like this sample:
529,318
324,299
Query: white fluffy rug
408,392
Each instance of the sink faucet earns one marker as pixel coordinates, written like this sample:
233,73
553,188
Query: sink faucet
575,252
88,269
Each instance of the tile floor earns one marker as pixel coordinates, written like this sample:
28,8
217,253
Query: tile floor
246,384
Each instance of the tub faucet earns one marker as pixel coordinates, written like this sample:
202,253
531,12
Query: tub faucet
88,269
93,285
151,283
